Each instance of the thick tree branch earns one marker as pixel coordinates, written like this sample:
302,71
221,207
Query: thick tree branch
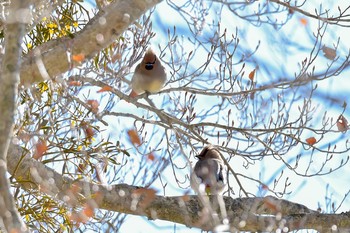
16,21
56,57
244,214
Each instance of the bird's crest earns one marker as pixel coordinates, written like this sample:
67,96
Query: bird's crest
149,59
209,151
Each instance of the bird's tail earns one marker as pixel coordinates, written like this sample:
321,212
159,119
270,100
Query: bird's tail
133,94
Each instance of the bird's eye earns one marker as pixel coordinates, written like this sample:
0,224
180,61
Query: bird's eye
149,66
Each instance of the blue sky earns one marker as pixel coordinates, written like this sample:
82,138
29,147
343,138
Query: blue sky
280,60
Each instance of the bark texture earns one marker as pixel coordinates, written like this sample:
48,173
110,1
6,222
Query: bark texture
16,21
243,214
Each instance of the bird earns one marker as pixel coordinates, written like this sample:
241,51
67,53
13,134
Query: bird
208,173
149,75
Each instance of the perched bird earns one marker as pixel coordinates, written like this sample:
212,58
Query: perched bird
208,173
149,75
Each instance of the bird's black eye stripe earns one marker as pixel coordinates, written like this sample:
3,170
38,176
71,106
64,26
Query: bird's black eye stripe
149,65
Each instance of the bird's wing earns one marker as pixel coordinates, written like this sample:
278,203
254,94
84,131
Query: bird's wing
207,169
220,175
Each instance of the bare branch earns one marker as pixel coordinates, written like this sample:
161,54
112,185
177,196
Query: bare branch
342,19
244,214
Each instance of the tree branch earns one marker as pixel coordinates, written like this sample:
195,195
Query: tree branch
55,57
244,214
15,24
337,20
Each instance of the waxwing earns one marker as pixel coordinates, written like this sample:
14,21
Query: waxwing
149,75
208,173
